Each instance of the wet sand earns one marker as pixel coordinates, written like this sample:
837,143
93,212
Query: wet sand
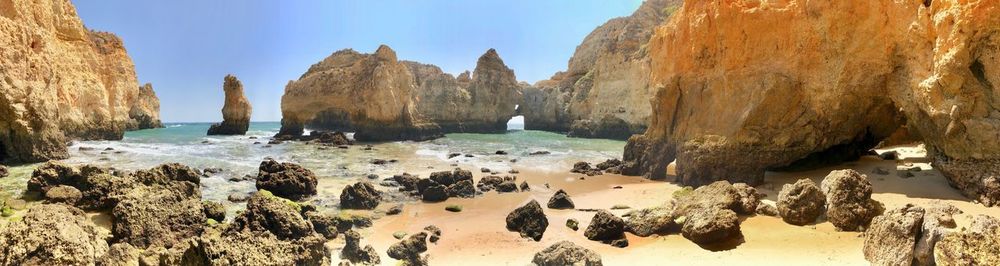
477,235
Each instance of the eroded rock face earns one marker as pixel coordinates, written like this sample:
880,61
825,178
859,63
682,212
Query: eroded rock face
480,102
370,94
892,236
236,110
145,111
605,91
62,82
979,246
566,253
52,234
730,109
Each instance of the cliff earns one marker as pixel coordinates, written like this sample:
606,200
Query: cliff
62,81
605,91
746,87
235,111
370,94
480,104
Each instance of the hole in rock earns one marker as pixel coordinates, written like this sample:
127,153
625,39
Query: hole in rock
515,123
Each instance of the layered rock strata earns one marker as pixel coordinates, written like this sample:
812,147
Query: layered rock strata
62,81
605,91
236,110
743,88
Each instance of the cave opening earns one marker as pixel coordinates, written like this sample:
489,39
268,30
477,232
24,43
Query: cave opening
515,123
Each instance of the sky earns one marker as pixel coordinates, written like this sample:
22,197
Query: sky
186,47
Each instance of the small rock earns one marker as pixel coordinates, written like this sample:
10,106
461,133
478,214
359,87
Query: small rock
409,249
501,153
394,210
355,254
214,210
525,187
453,208
469,156
889,155
619,243
238,197
880,171
399,235
453,155
4,171
539,153
573,224
484,170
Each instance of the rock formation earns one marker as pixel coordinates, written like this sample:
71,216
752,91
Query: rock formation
380,98
370,94
605,91
480,104
235,112
62,81
743,88
145,111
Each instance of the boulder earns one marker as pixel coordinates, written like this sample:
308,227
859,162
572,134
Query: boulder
891,238
52,234
506,187
435,193
63,194
978,246
214,210
849,203
528,220
938,222
354,253
406,181
711,225
287,180
560,200
409,249
605,227
491,182
718,195
158,215
244,247
801,203
749,198
236,110
566,253
361,195
267,212
462,189
650,221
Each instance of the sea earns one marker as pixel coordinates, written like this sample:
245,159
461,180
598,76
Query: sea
238,156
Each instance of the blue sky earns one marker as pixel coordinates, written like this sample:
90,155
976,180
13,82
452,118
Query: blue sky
186,47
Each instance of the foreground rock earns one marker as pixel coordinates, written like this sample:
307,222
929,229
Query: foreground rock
63,81
235,112
361,195
876,88
566,253
605,90
409,249
528,220
892,236
650,221
978,246
369,94
52,234
160,215
849,203
801,203
287,180
708,214
355,254
605,227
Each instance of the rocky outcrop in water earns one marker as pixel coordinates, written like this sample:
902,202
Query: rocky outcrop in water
235,112
370,94
605,91
741,89
62,81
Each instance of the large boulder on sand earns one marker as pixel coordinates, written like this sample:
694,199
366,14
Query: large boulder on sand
361,195
236,110
849,203
605,227
52,234
718,195
800,203
711,225
286,180
560,200
891,238
528,220
566,253
649,221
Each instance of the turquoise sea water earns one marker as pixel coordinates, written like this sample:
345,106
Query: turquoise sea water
187,143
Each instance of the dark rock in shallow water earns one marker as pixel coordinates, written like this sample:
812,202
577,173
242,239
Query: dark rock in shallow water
801,203
605,227
361,195
566,253
354,253
453,155
561,200
238,197
539,153
214,210
528,220
52,234
849,203
287,180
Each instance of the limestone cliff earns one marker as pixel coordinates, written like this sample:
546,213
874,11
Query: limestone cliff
61,81
480,104
604,93
145,111
235,111
370,94
743,87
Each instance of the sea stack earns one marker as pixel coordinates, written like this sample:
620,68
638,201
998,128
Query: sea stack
755,90
235,112
61,81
